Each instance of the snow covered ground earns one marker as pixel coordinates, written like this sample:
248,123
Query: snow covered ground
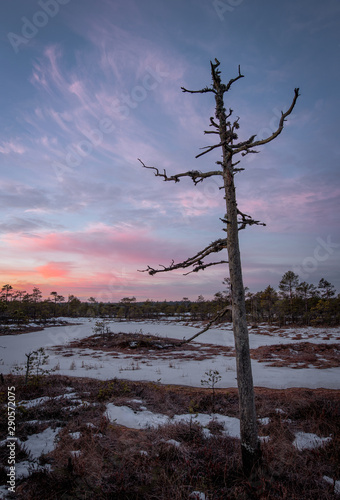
166,369
140,418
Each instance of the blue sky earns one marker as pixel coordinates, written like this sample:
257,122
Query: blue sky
89,87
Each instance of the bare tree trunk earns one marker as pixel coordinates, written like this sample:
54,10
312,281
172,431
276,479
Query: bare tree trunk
250,444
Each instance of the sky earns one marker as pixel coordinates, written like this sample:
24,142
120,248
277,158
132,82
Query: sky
88,87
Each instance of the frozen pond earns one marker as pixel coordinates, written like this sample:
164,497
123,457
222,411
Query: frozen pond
189,372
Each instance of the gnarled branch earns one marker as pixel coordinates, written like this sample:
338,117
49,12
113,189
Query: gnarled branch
247,220
196,261
202,91
252,144
213,123
217,79
202,266
208,149
195,175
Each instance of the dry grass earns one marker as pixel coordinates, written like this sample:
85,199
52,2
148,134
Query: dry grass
150,346
301,355
120,463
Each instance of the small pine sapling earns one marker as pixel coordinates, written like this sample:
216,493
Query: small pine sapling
213,377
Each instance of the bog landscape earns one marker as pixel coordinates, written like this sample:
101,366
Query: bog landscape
151,153
111,402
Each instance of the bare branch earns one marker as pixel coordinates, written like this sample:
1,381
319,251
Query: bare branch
249,142
244,146
202,91
233,80
217,79
196,261
219,315
247,151
236,163
247,220
208,149
195,175
202,266
235,125
213,123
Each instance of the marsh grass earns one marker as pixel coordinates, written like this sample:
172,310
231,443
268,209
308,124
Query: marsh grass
107,461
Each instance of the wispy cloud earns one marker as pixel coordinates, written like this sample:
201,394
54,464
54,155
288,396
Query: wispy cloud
12,147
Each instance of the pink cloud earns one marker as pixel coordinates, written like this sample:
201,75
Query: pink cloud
52,54
55,270
11,147
77,88
283,203
119,244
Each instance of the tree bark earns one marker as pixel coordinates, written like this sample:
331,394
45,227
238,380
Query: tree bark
250,444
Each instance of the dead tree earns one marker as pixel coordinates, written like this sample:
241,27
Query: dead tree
225,128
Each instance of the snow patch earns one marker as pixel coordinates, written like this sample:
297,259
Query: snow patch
309,441
123,415
334,483
75,435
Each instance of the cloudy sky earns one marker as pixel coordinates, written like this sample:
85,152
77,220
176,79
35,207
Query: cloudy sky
87,87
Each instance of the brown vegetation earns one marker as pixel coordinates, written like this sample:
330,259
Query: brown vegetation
301,355
294,355
116,462
150,346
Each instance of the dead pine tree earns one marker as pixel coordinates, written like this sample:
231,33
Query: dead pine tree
225,129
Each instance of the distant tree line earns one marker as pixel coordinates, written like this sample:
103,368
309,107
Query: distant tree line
294,303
